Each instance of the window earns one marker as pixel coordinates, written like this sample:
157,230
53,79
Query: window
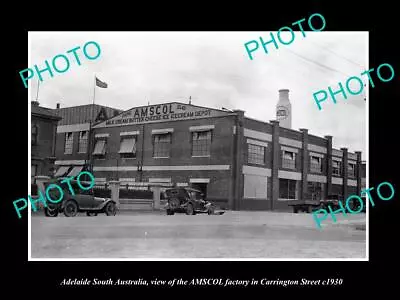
100,148
33,173
69,143
83,141
201,145
287,189
288,160
162,145
336,168
315,190
34,134
255,187
315,164
352,170
128,147
256,154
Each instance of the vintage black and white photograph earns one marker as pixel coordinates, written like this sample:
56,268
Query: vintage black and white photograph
198,145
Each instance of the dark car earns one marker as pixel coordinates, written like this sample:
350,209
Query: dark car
330,200
189,201
82,201
355,205
333,202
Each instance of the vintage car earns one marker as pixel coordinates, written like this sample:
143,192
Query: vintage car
188,200
82,201
332,201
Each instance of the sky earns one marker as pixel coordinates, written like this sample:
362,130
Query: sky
213,69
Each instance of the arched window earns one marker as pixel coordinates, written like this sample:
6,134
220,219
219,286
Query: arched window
34,133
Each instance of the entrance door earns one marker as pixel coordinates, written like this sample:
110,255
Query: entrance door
201,187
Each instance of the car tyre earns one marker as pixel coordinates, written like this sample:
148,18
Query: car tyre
90,213
190,209
110,209
211,210
170,212
71,208
51,212
295,210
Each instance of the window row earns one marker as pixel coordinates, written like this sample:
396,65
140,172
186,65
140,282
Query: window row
256,155
201,145
82,142
289,190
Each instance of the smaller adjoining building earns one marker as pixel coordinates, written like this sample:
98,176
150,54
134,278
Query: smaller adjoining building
73,136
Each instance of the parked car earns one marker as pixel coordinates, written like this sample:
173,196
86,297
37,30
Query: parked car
307,206
332,201
82,201
188,200
355,204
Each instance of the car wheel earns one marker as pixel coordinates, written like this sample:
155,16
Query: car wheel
170,212
51,212
70,209
89,213
295,210
309,209
189,209
110,209
211,210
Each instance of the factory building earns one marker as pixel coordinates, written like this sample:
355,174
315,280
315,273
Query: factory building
239,162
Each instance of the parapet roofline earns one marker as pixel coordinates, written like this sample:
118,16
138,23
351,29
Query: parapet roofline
166,103
186,104
40,111
100,105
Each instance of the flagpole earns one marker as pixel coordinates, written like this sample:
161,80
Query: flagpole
37,90
90,128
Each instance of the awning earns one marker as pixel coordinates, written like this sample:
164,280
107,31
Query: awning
61,171
128,145
162,131
100,147
75,171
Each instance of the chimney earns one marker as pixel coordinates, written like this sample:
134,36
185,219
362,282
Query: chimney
35,103
284,109
58,106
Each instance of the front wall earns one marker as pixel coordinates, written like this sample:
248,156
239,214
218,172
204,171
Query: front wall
217,190
318,141
337,189
290,134
257,125
180,154
257,204
44,139
220,186
44,147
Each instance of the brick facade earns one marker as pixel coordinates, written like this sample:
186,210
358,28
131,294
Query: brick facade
250,165
43,134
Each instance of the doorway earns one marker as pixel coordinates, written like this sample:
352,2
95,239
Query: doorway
201,187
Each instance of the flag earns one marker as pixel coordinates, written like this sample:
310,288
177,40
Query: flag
100,83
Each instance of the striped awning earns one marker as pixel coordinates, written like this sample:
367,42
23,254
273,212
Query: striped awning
100,147
62,171
128,145
75,171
